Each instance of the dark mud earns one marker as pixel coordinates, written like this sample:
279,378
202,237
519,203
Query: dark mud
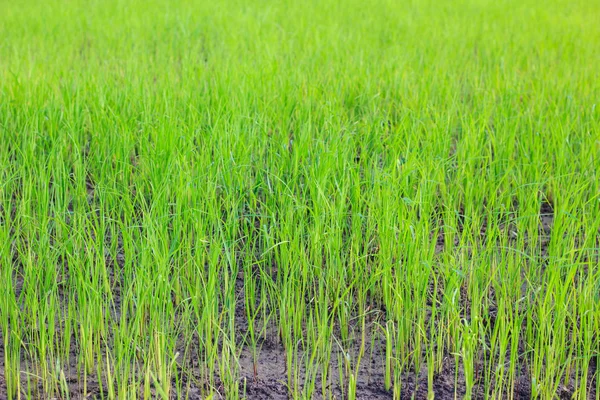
3,389
271,378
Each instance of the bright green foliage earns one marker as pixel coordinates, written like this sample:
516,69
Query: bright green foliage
164,164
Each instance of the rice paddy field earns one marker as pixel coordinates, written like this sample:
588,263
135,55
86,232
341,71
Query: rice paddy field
299,200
